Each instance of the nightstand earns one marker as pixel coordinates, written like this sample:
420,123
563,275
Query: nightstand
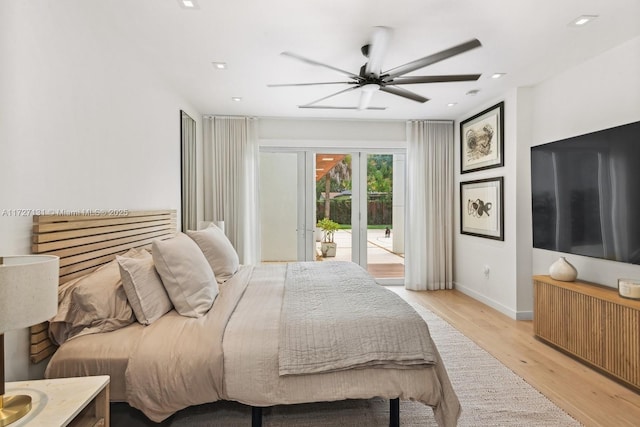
78,401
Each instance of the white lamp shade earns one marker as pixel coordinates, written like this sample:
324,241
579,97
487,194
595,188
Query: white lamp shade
28,290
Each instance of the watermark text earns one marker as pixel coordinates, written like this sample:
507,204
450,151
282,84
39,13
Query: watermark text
64,212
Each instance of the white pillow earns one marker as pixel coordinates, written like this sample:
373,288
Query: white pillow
144,288
218,250
185,274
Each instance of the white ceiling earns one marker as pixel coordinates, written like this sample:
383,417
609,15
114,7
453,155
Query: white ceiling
529,40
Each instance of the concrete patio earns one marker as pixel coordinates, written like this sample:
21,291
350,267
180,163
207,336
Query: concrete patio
382,262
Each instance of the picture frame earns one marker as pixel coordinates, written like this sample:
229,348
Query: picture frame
482,140
482,208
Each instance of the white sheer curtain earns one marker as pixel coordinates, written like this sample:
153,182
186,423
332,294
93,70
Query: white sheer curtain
429,206
231,181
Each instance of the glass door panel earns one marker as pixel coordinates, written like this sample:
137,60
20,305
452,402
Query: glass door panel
333,201
385,216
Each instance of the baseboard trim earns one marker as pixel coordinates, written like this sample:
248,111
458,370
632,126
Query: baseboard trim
517,315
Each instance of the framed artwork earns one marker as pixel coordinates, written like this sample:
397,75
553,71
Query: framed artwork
481,140
481,208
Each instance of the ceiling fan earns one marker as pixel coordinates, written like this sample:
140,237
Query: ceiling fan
371,78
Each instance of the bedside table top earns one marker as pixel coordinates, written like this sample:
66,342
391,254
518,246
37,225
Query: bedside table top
56,402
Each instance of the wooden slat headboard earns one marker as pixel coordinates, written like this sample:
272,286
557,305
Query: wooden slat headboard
85,242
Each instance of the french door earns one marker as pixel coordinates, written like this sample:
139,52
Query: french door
362,191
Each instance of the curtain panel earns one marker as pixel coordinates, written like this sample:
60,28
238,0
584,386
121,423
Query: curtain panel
231,181
430,202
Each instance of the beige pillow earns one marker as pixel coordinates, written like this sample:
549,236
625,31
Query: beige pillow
144,289
93,303
185,274
218,250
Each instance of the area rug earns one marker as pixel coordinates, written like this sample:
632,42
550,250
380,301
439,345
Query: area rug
490,395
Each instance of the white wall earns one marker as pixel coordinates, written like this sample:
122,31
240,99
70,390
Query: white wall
473,254
524,241
84,125
600,93
324,133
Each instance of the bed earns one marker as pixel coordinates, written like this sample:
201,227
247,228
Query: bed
247,346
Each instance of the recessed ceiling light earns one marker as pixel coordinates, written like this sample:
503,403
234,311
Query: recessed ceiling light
319,169
236,99
473,92
451,104
582,20
188,4
327,159
220,65
497,75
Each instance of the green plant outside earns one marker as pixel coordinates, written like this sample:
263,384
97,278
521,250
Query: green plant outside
328,228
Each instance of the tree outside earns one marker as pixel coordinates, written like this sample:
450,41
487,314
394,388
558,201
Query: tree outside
339,180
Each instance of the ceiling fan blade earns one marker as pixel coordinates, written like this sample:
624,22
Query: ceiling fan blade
366,94
404,93
431,59
329,107
365,99
434,79
320,64
377,50
329,96
311,84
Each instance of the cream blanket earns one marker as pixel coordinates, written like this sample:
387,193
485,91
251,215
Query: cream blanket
178,361
335,317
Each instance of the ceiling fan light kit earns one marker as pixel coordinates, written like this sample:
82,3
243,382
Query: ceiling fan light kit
371,79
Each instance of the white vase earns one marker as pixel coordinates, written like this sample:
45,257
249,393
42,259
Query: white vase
563,270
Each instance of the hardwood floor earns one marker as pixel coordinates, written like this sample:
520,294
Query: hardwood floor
588,396
386,270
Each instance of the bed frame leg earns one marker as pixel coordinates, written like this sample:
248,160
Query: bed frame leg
256,416
394,412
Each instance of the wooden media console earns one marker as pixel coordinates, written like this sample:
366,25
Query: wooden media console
591,323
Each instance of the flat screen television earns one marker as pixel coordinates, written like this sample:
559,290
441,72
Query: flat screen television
586,194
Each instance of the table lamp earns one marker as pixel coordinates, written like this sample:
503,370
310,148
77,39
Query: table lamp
28,296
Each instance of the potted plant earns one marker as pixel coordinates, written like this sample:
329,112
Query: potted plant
328,227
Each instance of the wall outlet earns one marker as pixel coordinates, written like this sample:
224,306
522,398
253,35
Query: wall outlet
487,270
